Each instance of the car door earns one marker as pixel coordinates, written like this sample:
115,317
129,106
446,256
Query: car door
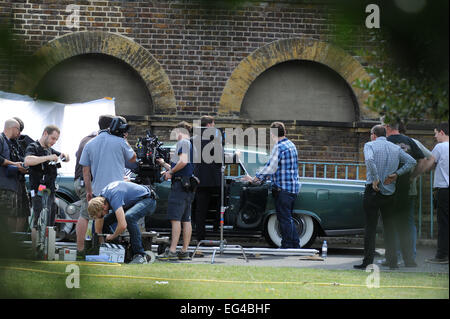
247,201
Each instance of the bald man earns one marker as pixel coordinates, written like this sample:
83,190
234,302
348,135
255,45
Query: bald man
10,167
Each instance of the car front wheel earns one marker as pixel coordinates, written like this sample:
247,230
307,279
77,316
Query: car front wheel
305,225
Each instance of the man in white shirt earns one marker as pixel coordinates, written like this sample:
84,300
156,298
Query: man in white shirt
440,184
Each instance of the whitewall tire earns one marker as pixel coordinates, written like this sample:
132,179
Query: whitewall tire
305,225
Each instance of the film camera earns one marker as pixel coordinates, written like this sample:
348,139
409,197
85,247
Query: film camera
148,150
118,127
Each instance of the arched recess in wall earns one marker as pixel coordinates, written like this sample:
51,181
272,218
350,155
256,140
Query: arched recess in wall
317,62
113,53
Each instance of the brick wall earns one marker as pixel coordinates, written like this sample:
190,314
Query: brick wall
5,72
197,47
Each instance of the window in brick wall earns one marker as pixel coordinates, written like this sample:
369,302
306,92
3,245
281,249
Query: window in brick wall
300,90
89,77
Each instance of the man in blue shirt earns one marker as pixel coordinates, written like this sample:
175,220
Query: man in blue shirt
180,199
382,161
104,159
104,122
129,202
282,169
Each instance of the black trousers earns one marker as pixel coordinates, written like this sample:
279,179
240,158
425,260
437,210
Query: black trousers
401,211
442,222
203,197
374,204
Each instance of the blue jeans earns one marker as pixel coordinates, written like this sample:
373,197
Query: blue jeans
284,205
145,207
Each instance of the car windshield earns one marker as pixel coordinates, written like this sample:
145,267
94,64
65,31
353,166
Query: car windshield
252,161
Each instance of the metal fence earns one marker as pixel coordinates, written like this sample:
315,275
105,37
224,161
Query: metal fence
357,171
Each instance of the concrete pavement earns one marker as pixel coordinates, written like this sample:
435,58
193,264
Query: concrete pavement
341,256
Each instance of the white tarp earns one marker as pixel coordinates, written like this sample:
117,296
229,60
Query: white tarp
74,120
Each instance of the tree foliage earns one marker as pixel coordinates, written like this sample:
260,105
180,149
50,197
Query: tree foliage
407,57
404,93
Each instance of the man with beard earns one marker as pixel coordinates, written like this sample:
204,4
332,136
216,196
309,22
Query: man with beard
38,155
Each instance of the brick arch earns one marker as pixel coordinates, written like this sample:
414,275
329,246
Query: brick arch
118,46
286,50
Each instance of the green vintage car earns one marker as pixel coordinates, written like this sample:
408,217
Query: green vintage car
324,207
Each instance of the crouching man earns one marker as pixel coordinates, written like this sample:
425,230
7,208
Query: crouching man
129,203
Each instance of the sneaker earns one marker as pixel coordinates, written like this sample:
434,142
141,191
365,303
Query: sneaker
139,259
168,255
81,255
91,251
437,260
361,266
184,255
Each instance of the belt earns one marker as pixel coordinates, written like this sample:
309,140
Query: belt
176,179
151,195
277,189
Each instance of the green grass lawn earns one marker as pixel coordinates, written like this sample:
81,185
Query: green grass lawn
27,279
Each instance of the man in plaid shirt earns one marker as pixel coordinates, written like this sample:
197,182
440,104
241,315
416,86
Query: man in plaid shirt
282,169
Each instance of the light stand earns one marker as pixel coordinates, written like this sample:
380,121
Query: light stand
222,242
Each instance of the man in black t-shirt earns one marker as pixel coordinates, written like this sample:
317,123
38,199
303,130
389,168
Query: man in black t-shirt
37,156
402,202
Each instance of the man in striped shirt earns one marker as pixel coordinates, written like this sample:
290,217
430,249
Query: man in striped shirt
282,169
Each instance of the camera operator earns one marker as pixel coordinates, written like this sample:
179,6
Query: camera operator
38,155
20,144
180,198
104,158
129,203
23,140
104,122
10,167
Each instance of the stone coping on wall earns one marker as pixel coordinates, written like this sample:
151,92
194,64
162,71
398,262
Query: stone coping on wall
292,49
162,120
111,44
